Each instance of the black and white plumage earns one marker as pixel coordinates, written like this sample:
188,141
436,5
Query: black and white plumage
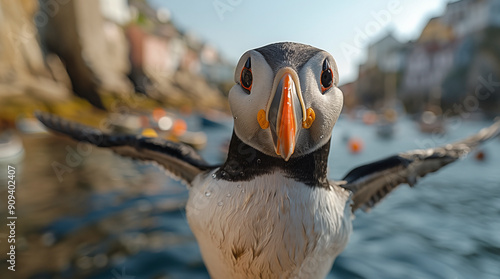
179,160
269,211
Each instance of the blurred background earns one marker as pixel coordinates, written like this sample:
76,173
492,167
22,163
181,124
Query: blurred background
414,75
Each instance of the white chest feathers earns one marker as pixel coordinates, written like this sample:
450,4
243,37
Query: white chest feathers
269,227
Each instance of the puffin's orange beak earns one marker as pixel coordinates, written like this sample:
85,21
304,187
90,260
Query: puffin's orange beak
283,117
288,124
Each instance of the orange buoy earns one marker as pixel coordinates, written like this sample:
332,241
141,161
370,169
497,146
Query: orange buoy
355,145
158,113
480,156
179,127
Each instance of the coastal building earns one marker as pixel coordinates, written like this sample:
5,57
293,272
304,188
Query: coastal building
378,76
452,57
428,62
469,16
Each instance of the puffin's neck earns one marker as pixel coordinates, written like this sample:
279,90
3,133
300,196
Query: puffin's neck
244,162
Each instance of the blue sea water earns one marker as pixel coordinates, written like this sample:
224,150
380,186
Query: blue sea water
110,217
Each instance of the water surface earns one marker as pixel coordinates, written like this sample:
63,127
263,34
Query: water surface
109,217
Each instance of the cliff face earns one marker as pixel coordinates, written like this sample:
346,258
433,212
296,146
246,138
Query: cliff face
51,49
22,67
94,51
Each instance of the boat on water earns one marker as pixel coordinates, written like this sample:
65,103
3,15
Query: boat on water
430,123
386,126
385,130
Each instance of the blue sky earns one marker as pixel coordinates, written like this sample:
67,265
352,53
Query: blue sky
343,28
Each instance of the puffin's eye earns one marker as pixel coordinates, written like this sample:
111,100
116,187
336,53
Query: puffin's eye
246,77
326,76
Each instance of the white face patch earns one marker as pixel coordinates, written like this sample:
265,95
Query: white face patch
245,105
326,105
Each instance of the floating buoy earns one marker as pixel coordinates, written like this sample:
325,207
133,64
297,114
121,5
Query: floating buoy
355,145
179,127
165,123
480,156
158,113
149,133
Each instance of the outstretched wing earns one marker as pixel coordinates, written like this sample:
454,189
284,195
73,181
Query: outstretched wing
179,160
372,182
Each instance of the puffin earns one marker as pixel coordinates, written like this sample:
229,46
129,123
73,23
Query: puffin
270,210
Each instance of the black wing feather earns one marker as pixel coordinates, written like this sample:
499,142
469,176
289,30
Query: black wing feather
179,160
372,182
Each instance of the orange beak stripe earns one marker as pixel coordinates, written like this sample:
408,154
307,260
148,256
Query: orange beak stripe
287,126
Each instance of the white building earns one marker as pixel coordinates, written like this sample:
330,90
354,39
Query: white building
469,16
385,54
